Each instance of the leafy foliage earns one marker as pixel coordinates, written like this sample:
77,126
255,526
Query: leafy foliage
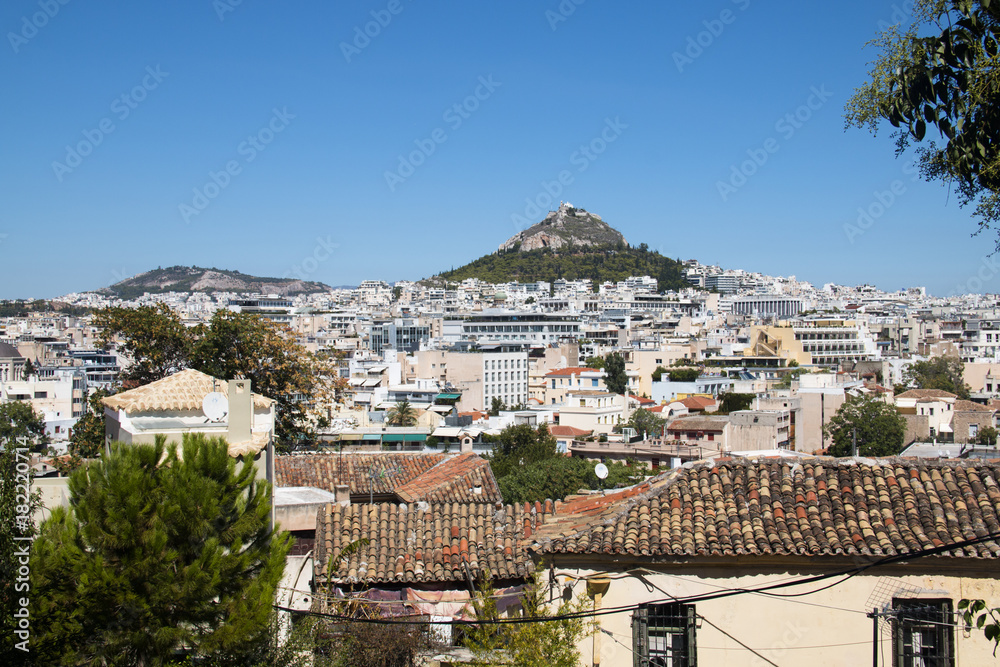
402,414
942,72
646,422
976,614
657,374
528,467
496,407
153,338
19,421
595,362
731,401
88,433
683,374
987,436
944,373
600,263
880,429
545,642
615,378
160,549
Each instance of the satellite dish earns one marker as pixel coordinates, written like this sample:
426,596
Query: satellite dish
215,405
601,471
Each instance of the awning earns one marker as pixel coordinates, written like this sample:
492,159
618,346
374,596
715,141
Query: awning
416,437
371,437
447,432
350,436
394,437
443,409
945,428
447,397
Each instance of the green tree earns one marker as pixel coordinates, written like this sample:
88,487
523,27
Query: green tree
29,369
19,421
944,373
595,362
941,71
684,375
988,437
160,549
976,613
658,373
87,441
244,345
548,638
496,407
880,429
520,445
615,378
402,414
152,338
647,423
733,401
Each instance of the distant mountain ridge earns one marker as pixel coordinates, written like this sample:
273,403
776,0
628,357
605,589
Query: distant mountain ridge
572,244
566,226
198,279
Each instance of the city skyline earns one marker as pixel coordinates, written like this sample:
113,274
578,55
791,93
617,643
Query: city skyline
401,140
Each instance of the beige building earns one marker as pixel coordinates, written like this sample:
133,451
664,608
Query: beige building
820,342
673,563
560,381
480,374
592,410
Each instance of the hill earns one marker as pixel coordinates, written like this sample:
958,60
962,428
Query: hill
571,244
567,226
197,279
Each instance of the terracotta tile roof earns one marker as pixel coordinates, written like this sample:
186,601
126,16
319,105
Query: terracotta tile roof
642,401
926,393
453,480
568,431
178,392
414,543
409,476
698,424
969,406
810,507
573,370
698,402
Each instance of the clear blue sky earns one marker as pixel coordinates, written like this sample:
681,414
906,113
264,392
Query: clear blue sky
329,121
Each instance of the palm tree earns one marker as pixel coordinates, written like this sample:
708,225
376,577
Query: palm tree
402,414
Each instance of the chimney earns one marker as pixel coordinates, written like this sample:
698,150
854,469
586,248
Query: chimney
240,411
343,495
466,445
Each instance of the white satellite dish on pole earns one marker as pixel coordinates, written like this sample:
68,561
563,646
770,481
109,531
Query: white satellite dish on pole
601,471
215,405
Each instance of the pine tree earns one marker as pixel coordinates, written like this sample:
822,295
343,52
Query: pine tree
161,549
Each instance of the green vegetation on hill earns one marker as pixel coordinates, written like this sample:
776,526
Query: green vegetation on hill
599,263
22,308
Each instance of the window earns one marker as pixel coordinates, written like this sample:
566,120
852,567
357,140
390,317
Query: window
973,431
663,635
922,633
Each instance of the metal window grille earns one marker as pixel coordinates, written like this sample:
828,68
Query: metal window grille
663,635
923,633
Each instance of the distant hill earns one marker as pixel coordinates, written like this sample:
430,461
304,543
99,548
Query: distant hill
566,227
571,244
197,279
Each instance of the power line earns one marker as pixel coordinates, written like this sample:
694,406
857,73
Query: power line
847,574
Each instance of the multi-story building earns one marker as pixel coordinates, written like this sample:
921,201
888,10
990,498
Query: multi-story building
401,334
490,327
480,373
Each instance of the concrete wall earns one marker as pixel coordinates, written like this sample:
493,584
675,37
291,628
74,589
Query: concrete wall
785,631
